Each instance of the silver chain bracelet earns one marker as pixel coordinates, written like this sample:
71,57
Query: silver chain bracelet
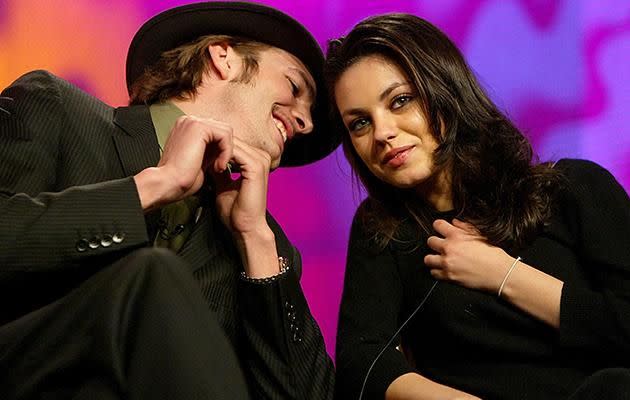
284,268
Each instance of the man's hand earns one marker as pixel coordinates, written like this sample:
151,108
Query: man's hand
193,146
242,203
242,206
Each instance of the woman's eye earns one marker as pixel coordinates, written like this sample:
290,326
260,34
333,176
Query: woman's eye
401,100
357,124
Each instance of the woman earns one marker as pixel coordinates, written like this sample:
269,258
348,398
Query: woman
532,259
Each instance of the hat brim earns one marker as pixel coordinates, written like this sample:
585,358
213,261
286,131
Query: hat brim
180,25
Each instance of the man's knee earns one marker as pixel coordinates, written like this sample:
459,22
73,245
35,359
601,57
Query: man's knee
153,256
612,374
609,383
145,276
150,284
154,263
616,377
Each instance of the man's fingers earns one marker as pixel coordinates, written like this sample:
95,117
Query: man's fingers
251,161
221,136
222,180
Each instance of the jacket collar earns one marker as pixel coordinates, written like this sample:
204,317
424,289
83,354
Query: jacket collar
138,148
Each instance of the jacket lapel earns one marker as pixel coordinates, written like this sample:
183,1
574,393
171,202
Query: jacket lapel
138,148
201,245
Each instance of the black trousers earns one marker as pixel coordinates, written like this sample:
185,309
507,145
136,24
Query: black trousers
139,329
605,384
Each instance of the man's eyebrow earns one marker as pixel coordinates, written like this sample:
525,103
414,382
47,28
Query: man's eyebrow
309,86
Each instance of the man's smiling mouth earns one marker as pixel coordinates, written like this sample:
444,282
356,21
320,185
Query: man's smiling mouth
281,128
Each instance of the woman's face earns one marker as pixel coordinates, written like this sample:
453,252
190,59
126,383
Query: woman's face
381,111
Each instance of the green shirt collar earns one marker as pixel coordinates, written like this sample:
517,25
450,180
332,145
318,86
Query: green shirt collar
164,116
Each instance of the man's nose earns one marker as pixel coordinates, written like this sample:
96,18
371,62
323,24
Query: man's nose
303,119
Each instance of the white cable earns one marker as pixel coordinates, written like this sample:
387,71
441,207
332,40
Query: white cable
394,336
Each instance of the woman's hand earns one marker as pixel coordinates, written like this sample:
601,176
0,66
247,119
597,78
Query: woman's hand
463,256
413,386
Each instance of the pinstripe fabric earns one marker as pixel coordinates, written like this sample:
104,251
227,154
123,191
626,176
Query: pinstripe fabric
59,183
66,160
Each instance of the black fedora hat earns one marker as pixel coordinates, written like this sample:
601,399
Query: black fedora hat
183,24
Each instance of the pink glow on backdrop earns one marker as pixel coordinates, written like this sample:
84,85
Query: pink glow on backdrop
539,116
542,12
560,68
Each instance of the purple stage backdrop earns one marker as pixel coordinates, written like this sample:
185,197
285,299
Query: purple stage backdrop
560,69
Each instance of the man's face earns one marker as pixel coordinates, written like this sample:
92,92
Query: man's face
274,106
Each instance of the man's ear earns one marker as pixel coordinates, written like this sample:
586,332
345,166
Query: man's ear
224,61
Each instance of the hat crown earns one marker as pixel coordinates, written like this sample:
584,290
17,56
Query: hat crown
180,25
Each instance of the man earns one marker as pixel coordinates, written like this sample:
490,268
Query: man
109,216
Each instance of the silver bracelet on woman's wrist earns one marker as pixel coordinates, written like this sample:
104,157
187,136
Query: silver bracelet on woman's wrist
507,275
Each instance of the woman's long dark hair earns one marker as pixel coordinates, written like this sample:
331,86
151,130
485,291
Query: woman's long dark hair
496,185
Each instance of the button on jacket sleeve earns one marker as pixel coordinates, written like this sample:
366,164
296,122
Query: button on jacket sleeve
283,345
68,207
48,227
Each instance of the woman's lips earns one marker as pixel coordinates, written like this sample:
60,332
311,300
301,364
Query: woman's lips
398,156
